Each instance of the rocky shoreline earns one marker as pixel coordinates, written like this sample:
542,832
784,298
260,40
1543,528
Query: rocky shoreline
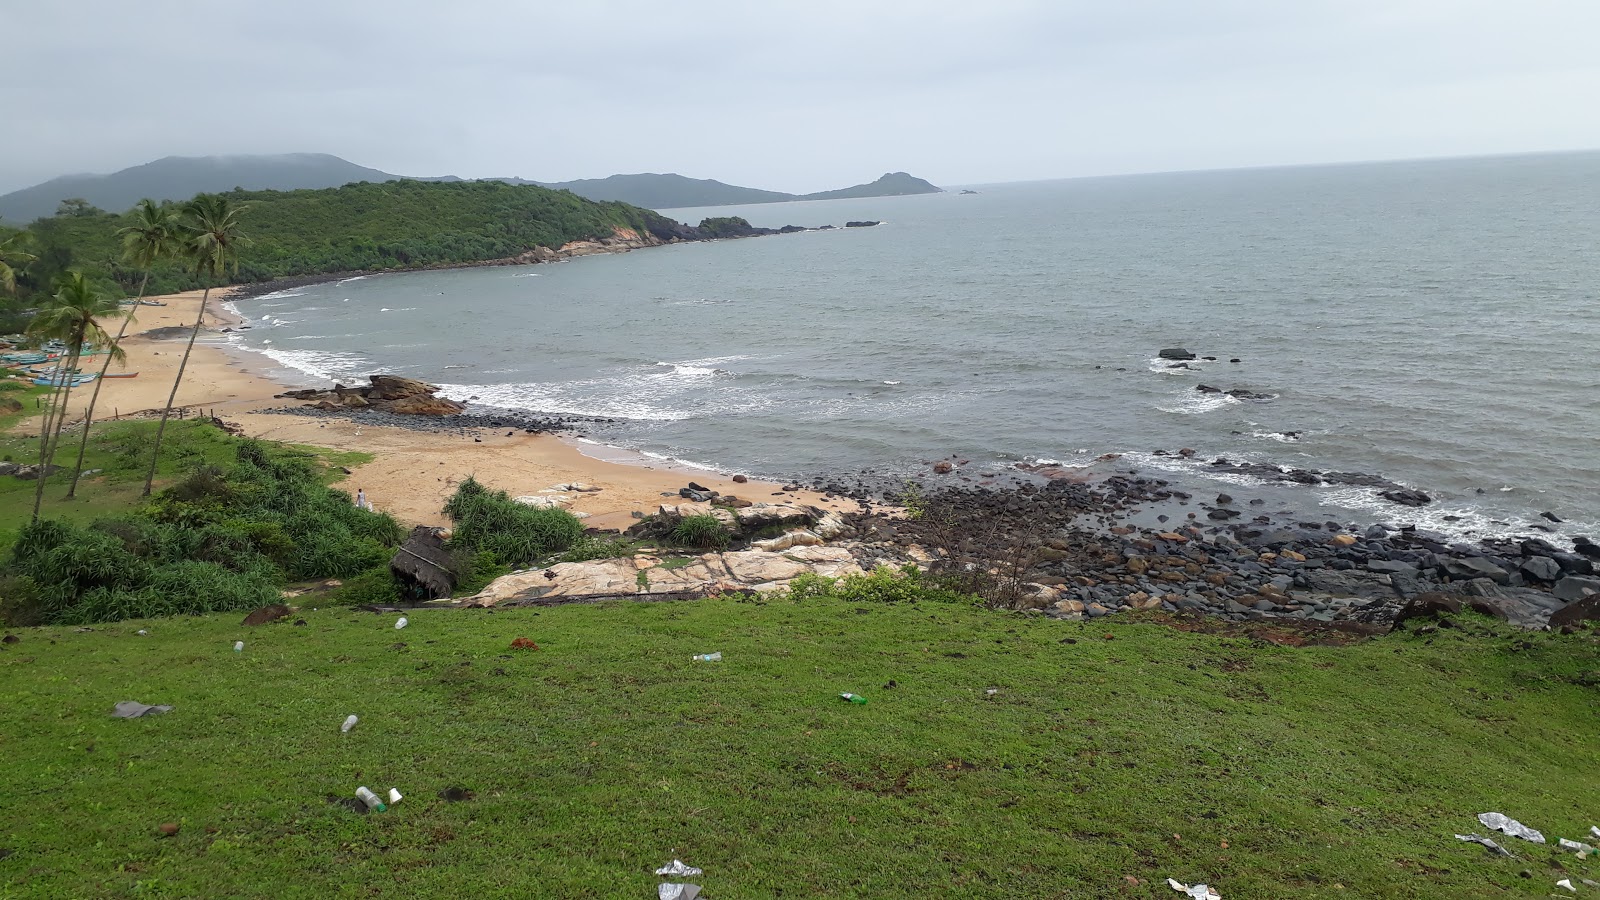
1037,539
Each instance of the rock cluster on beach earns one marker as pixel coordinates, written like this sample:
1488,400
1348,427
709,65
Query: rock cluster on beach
386,393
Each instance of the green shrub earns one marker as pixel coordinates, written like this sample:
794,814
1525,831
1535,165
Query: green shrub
19,602
705,532
907,584
588,548
516,534
375,587
477,570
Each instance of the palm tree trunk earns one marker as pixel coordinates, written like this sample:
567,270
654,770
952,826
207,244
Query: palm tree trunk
156,455
52,435
88,417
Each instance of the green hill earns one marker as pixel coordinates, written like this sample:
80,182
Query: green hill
892,184
394,225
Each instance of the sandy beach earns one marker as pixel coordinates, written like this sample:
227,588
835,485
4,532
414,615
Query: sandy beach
414,472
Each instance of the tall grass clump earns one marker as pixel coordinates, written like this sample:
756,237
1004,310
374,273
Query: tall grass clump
490,521
704,532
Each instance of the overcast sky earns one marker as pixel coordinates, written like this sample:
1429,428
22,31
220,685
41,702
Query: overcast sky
796,96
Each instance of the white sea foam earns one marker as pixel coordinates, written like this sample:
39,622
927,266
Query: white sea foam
1165,367
278,295
1190,466
528,275
1462,523
352,278
892,382
1193,403
320,364
1278,436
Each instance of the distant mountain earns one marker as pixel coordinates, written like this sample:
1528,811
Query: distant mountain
893,184
653,191
181,177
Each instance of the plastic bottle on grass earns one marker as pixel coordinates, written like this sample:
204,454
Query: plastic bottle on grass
400,624
373,801
238,646
708,657
852,698
349,723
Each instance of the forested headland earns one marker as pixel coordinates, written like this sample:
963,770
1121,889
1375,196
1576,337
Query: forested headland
358,227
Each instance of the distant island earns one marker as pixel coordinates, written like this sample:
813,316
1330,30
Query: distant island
181,177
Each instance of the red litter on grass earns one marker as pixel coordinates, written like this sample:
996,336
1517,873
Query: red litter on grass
523,643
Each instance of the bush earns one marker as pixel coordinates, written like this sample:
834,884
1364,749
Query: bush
516,534
477,570
705,532
907,584
375,587
588,548
222,538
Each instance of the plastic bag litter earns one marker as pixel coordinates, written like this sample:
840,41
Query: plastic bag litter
677,891
1501,822
1566,883
1195,891
678,867
129,709
1480,839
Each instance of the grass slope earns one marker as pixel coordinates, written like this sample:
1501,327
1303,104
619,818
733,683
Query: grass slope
1269,772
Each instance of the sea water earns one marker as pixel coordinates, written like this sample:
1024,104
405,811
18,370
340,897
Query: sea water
1432,322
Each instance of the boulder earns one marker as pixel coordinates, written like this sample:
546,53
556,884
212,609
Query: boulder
830,562
1573,564
393,387
943,467
1475,567
423,405
798,538
267,614
1586,610
1176,353
753,567
1406,497
1576,587
1541,568
761,515
1434,605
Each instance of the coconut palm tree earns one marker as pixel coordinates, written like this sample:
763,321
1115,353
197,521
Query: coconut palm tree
213,244
153,236
73,316
13,257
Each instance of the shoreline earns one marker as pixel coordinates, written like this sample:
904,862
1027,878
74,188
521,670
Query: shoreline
414,471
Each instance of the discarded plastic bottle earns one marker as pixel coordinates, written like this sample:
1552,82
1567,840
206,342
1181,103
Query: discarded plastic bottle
373,801
349,723
400,624
852,698
394,796
238,646
708,657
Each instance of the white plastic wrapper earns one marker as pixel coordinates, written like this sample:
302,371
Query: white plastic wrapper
1501,822
1194,891
678,868
677,891
1566,883
1480,839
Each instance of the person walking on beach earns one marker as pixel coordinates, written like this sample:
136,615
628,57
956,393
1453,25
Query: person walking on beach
361,499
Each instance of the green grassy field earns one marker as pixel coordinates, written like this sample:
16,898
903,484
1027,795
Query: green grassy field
1107,753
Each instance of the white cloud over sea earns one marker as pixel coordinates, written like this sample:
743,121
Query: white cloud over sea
797,96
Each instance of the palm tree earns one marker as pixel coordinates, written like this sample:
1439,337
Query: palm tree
152,236
213,246
73,315
12,257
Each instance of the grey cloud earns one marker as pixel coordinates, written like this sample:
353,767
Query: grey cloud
795,96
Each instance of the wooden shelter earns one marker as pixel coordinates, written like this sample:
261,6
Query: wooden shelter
423,563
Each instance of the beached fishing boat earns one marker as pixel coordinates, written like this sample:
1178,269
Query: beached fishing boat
120,375
24,357
59,380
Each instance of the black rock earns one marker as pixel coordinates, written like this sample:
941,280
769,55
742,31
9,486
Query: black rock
1176,353
1541,568
1224,499
1550,515
1407,497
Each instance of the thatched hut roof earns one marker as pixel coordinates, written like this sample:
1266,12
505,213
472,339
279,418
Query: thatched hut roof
422,559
